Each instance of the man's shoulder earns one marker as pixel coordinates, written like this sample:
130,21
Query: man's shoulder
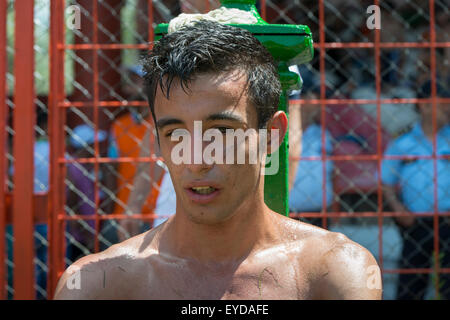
336,245
99,275
339,267
326,245
347,270
301,231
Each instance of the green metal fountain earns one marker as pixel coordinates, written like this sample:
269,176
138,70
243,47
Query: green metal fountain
289,45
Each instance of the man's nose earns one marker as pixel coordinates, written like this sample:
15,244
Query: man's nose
197,163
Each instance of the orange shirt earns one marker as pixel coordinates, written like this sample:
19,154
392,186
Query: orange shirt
128,134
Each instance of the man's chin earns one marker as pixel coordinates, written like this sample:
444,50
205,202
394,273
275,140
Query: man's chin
208,216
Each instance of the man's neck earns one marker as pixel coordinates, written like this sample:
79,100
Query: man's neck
250,228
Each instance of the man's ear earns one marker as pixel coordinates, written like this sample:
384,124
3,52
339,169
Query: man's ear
279,122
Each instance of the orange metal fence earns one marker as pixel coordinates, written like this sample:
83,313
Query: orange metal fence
2,147
96,50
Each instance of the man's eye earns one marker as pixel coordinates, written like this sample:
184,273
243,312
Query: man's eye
223,130
176,133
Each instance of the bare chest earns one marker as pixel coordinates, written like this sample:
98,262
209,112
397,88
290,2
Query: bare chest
259,281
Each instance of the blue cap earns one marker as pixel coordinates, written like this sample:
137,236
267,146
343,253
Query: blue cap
85,135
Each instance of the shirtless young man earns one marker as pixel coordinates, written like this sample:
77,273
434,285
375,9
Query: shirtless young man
223,242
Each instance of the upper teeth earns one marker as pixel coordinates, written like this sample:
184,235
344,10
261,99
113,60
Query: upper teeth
203,189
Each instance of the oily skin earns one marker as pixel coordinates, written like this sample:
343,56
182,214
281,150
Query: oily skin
234,247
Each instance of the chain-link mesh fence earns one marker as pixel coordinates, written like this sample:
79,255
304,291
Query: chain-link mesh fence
357,136
107,136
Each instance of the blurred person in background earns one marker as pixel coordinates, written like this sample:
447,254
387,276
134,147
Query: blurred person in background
80,191
144,185
132,135
307,189
157,187
166,204
409,188
41,175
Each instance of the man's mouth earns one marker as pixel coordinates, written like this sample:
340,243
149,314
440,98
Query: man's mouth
202,193
203,190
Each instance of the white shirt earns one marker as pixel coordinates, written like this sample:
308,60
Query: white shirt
166,202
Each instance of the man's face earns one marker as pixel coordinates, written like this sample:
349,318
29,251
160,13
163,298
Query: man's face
218,101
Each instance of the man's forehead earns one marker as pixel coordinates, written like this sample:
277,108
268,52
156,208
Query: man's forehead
222,92
231,83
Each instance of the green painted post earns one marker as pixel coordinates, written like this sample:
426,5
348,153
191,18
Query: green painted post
289,45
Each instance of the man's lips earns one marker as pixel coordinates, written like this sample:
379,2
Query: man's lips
202,192
197,184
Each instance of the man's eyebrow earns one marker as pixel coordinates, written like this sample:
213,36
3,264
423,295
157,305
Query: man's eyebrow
161,123
225,116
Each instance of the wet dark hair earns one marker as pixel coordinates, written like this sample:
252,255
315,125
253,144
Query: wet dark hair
208,46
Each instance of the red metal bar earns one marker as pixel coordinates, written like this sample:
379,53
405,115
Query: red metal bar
377,55
151,38
362,157
151,34
263,9
434,129
111,216
326,45
56,134
383,45
61,141
125,103
322,108
369,101
343,102
343,214
62,169
3,147
102,46
404,271
24,120
96,143
40,207
112,160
